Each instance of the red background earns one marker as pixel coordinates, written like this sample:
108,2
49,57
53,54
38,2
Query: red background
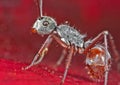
88,16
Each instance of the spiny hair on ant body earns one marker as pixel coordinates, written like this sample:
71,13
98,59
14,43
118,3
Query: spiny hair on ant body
98,58
68,34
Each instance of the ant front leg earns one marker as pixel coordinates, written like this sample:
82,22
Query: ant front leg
40,55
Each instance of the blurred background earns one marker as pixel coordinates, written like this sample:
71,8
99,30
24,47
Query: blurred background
91,17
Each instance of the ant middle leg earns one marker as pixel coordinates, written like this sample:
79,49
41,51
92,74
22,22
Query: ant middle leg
68,61
62,57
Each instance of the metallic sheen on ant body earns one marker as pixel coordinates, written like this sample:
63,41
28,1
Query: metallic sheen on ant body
98,58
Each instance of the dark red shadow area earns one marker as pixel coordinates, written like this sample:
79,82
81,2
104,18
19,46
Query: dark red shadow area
18,46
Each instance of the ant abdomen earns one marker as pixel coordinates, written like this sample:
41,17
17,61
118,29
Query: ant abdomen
96,61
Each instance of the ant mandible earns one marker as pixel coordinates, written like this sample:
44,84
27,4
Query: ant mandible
98,58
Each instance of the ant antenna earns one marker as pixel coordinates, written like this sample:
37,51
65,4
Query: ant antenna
41,7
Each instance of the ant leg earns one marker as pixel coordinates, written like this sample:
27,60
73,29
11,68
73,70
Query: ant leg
69,58
112,43
40,55
99,37
107,64
95,40
116,54
60,42
114,48
64,52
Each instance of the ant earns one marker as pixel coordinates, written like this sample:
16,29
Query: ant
98,58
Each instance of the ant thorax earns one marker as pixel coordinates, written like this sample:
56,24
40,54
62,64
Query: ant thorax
70,36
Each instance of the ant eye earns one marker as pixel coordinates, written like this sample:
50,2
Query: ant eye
45,23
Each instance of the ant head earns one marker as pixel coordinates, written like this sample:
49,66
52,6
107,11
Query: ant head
44,25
